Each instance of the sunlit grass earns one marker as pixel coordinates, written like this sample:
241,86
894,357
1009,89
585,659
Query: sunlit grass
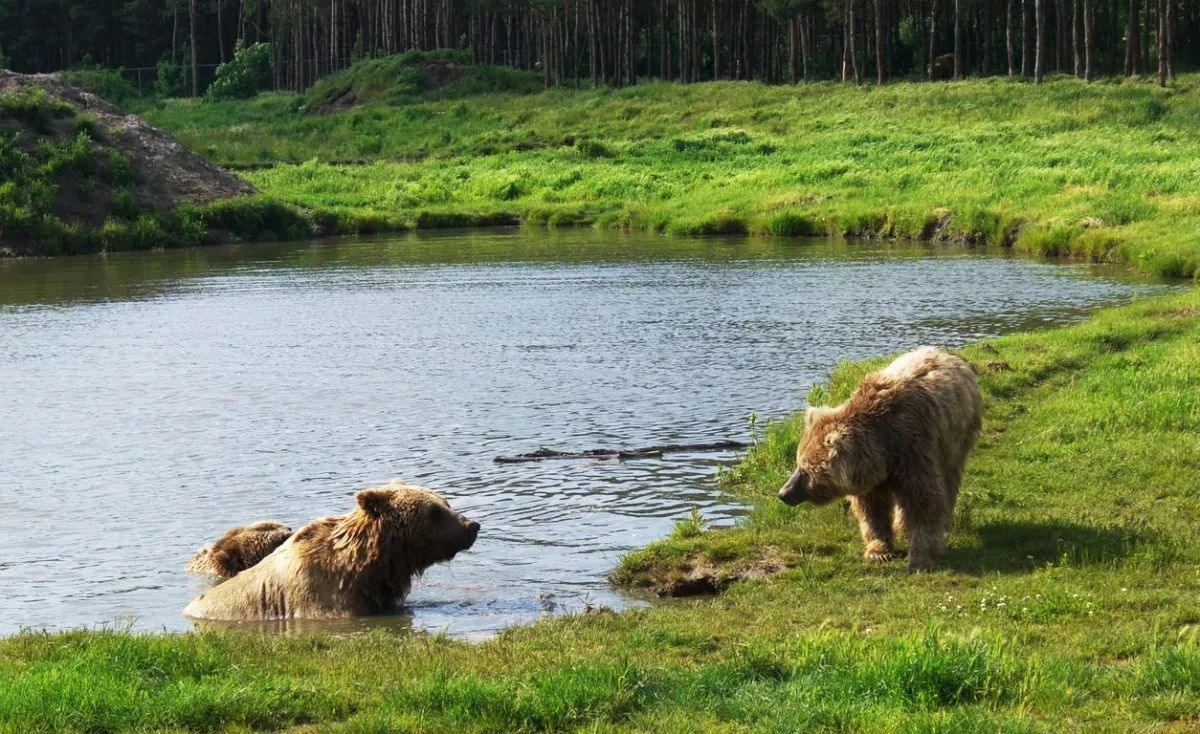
1109,170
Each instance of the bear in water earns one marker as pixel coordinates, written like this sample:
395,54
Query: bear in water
359,564
898,448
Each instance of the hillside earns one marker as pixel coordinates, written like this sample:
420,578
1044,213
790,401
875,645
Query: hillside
80,176
1105,171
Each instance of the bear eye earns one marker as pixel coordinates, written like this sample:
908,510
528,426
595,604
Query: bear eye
431,511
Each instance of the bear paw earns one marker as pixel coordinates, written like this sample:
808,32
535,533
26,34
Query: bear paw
878,552
918,564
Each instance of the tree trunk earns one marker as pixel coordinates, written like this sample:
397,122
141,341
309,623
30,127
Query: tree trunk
1008,37
1161,41
986,56
1089,38
220,32
1039,63
1171,25
792,43
1132,34
958,57
1076,37
1145,41
880,57
716,42
1063,40
805,43
932,35
849,57
195,63
1026,41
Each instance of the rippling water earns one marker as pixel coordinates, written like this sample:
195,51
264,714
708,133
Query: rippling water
150,401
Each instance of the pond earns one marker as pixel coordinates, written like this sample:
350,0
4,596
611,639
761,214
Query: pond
150,401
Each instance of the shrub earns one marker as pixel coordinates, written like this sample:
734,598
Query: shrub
88,125
109,85
168,82
33,107
246,75
793,224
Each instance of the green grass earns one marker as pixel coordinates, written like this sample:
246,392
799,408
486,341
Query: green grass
1065,601
1107,171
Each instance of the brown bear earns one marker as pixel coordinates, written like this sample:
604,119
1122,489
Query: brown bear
239,549
898,448
359,564
943,68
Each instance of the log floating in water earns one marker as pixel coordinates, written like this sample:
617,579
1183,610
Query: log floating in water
648,452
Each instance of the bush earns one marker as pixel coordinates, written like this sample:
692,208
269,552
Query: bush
109,85
33,107
168,82
793,224
246,75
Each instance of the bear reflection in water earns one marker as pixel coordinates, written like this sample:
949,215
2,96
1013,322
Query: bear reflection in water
360,564
897,448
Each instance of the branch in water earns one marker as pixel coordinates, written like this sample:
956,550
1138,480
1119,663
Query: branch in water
644,453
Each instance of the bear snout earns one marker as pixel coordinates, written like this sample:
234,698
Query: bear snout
795,489
472,533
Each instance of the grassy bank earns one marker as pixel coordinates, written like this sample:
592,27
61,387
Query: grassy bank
1066,600
1107,171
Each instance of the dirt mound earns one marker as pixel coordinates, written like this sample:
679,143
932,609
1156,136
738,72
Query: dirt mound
165,173
439,73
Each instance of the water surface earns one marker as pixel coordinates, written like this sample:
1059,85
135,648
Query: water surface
150,401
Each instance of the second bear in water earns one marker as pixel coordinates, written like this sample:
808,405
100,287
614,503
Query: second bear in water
359,564
898,448
239,549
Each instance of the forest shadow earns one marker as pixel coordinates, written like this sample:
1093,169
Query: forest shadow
1022,547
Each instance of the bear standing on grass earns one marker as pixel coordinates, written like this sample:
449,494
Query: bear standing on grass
359,564
898,448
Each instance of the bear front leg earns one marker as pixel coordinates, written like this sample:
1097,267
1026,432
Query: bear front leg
874,513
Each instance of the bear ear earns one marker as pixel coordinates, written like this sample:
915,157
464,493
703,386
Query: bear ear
374,502
813,413
833,440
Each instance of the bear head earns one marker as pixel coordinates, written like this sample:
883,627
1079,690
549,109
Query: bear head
835,457
405,528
